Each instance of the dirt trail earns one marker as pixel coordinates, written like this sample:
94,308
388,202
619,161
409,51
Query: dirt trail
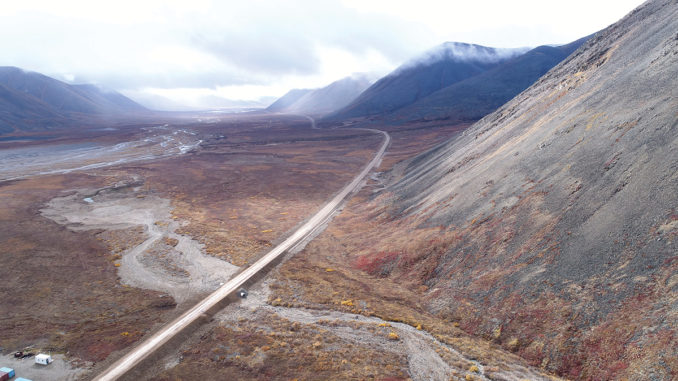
182,271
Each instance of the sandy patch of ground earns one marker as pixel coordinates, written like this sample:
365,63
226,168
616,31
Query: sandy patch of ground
165,261
58,370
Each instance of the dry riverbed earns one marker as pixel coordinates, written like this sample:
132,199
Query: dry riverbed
260,338
161,259
34,160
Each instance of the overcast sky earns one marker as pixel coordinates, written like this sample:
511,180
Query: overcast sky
198,52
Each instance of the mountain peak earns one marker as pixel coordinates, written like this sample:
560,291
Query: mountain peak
465,52
437,68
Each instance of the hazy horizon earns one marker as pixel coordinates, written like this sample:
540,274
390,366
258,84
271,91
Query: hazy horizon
205,54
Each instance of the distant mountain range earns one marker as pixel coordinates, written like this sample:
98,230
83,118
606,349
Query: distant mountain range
479,95
287,100
31,101
443,66
456,81
324,100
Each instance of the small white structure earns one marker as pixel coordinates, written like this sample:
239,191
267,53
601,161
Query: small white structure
43,359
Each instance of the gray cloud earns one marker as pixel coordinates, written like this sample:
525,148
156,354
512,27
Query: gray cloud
251,43
284,38
261,52
462,52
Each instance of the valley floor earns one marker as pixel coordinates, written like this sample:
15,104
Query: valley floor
105,254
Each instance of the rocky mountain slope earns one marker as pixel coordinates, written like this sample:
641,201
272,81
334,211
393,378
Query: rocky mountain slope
445,65
32,101
551,225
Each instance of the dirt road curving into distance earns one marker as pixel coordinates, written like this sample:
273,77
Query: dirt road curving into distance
148,346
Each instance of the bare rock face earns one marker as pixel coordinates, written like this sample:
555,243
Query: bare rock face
559,211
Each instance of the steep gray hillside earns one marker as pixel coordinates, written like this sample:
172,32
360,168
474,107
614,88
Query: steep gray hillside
331,97
447,64
282,103
557,215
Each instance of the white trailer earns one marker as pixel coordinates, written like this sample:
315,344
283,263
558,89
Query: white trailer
43,359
